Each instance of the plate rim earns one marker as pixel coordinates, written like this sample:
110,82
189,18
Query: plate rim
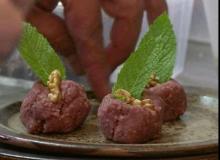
121,150
140,150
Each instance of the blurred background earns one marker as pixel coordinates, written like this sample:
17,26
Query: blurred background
196,27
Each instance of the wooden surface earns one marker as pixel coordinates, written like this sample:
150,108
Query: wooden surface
11,153
201,157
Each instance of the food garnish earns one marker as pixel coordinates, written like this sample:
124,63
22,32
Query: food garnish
155,54
126,97
38,54
54,86
154,80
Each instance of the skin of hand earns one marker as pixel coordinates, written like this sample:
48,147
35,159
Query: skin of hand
154,8
79,36
11,16
54,28
10,27
83,19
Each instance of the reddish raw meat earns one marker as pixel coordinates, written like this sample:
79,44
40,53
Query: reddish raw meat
124,123
173,95
40,115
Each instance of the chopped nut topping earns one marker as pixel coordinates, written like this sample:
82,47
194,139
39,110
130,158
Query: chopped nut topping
136,102
126,96
54,86
148,105
123,94
154,80
130,100
145,101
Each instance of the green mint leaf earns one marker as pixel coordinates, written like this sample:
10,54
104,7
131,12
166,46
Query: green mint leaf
156,54
39,55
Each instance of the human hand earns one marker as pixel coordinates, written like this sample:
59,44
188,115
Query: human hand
11,15
79,36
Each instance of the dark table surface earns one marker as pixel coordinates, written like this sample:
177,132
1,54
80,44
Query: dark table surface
10,152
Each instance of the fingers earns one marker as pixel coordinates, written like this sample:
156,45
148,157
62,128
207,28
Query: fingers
10,27
126,28
155,8
47,5
23,5
83,19
53,27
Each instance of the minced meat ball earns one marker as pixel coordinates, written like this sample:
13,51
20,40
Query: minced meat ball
125,123
174,97
40,115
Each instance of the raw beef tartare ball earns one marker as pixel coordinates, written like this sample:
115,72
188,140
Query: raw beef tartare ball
128,123
40,115
174,97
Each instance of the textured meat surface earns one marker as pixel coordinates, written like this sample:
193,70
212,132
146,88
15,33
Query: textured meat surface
173,95
40,115
124,123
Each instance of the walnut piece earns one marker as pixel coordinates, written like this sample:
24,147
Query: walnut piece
126,96
54,86
154,80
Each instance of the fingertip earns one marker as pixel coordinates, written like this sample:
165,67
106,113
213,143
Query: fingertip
10,27
23,5
47,5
